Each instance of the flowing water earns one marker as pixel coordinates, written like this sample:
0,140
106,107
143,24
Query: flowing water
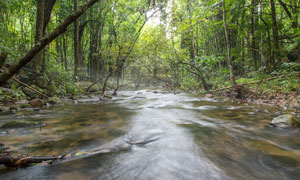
151,135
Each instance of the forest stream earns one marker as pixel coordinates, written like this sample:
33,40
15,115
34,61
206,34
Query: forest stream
153,135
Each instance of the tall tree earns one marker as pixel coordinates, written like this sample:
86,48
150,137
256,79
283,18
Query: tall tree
38,60
275,32
229,57
76,43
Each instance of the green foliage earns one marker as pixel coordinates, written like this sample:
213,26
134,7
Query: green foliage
62,81
185,47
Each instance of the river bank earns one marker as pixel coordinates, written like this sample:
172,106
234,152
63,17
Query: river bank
288,102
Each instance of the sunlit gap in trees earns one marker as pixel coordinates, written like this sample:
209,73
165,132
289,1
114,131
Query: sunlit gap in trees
157,18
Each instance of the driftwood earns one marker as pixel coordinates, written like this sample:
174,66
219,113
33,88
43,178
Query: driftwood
30,88
11,161
251,83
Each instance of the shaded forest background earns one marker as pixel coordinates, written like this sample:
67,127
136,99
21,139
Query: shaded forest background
178,44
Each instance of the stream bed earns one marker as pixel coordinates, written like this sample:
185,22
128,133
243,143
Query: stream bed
154,135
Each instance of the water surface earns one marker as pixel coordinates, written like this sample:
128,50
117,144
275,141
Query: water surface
166,136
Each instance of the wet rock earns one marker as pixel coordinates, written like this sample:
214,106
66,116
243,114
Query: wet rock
73,98
4,109
36,103
285,121
13,108
24,106
53,100
278,113
95,88
209,95
18,124
36,109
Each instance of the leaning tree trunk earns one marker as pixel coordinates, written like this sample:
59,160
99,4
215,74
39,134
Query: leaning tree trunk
7,73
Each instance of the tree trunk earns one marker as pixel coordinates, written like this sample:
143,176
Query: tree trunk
269,61
254,25
76,44
65,52
48,6
289,14
7,73
38,59
275,32
229,58
101,60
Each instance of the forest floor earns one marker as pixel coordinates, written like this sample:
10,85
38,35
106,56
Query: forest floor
286,100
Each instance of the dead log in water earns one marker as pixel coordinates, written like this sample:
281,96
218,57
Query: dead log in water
22,161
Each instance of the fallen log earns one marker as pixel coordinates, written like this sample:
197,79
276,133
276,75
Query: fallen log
21,161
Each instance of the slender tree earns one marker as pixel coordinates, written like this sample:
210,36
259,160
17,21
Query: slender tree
229,57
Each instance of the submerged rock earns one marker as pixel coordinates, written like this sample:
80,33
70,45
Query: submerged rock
36,103
19,124
285,121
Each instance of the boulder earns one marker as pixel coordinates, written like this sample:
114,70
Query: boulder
95,88
209,95
53,100
41,82
37,103
285,121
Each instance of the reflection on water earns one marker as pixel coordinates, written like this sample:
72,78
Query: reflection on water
156,136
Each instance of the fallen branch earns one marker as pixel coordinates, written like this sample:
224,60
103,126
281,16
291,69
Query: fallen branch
10,161
30,88
250,83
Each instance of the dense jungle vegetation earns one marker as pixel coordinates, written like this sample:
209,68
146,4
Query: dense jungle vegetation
197,45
